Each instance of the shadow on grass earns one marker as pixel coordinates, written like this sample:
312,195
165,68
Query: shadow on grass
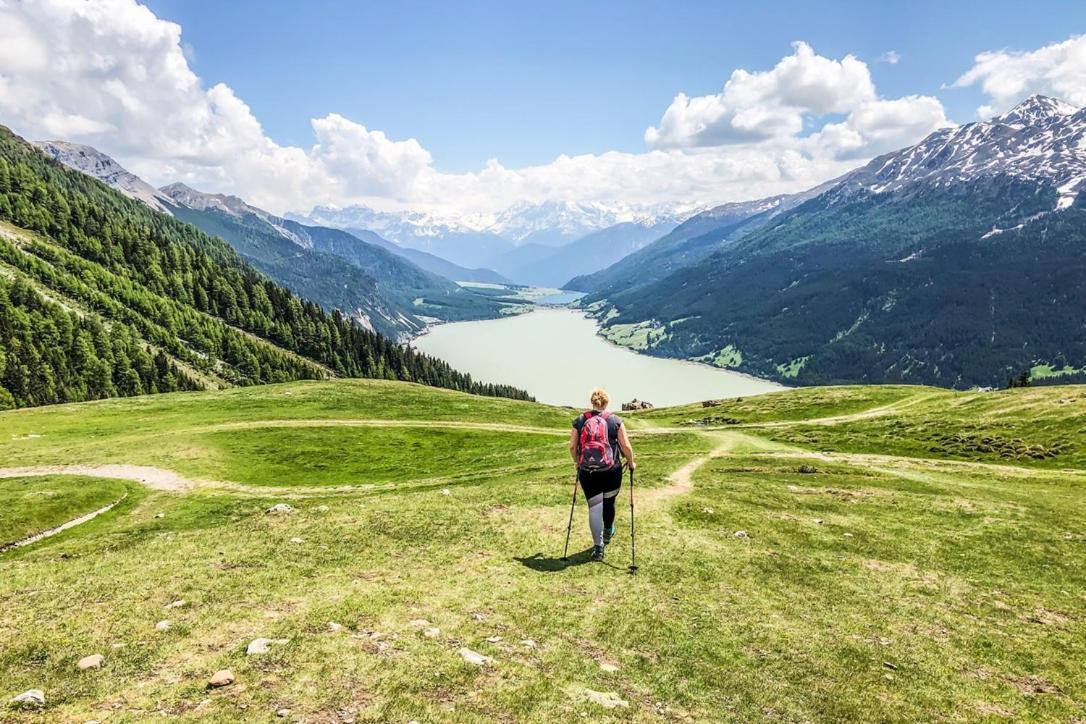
555,565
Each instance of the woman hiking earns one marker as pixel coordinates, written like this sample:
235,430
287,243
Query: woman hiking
595,441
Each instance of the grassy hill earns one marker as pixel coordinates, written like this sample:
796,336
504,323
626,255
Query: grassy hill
908,554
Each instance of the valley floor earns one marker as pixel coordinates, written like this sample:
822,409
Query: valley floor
864,553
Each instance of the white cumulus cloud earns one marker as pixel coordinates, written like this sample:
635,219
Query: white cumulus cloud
764,105
778,105
111,74
880,126
1008,76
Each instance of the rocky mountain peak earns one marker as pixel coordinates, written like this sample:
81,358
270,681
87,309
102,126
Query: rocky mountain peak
96,164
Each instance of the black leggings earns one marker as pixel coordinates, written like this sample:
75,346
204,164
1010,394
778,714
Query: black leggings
601,481
609,511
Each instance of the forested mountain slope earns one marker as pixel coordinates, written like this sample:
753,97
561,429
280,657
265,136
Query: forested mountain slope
101,296
431,262
688,243
380,289
958,261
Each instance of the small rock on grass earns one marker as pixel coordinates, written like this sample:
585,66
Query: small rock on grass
94,661
474,657
280,509
262,646
418,623
432,633
176,604
259,646
335,627
283,713
32,699
528,643
742,534
606,699
494,639
225,677
608,668
297,540
163,625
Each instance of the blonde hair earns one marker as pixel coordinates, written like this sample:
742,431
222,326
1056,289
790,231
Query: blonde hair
600,398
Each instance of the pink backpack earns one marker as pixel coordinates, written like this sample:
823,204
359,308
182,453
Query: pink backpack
595,448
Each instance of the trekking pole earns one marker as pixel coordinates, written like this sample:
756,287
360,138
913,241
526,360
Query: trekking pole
633,538
569,529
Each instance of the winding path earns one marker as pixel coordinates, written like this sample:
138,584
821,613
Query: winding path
154,478
35,537
679,482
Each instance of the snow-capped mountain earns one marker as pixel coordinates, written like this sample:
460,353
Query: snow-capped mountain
100,166
1041,140
403,227
957,261
551,223
556,223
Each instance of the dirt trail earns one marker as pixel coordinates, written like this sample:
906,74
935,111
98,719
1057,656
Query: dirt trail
354,422
682,480
876,461
154,478
62,527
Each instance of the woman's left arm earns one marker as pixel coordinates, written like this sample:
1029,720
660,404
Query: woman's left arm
624,445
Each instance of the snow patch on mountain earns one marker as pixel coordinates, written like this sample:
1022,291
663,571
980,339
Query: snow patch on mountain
1041,140
550,223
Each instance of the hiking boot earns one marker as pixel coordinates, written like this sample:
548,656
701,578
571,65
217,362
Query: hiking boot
597,553
608,534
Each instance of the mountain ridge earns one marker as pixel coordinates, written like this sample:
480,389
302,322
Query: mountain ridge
377,288
493,240
94,163
956,261
392,293
102,296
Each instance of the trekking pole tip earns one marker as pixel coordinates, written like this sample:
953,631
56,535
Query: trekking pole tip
633,570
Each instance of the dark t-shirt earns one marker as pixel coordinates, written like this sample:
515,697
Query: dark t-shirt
614,422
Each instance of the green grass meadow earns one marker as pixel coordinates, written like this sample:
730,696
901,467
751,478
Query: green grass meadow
893,565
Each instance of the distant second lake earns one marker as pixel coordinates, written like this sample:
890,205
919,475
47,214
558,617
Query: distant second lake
556,355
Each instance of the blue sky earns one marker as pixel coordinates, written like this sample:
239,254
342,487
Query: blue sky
463,109
524,82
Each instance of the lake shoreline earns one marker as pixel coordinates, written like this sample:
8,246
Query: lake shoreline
553,340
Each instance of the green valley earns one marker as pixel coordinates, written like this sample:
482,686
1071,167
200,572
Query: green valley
877,553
